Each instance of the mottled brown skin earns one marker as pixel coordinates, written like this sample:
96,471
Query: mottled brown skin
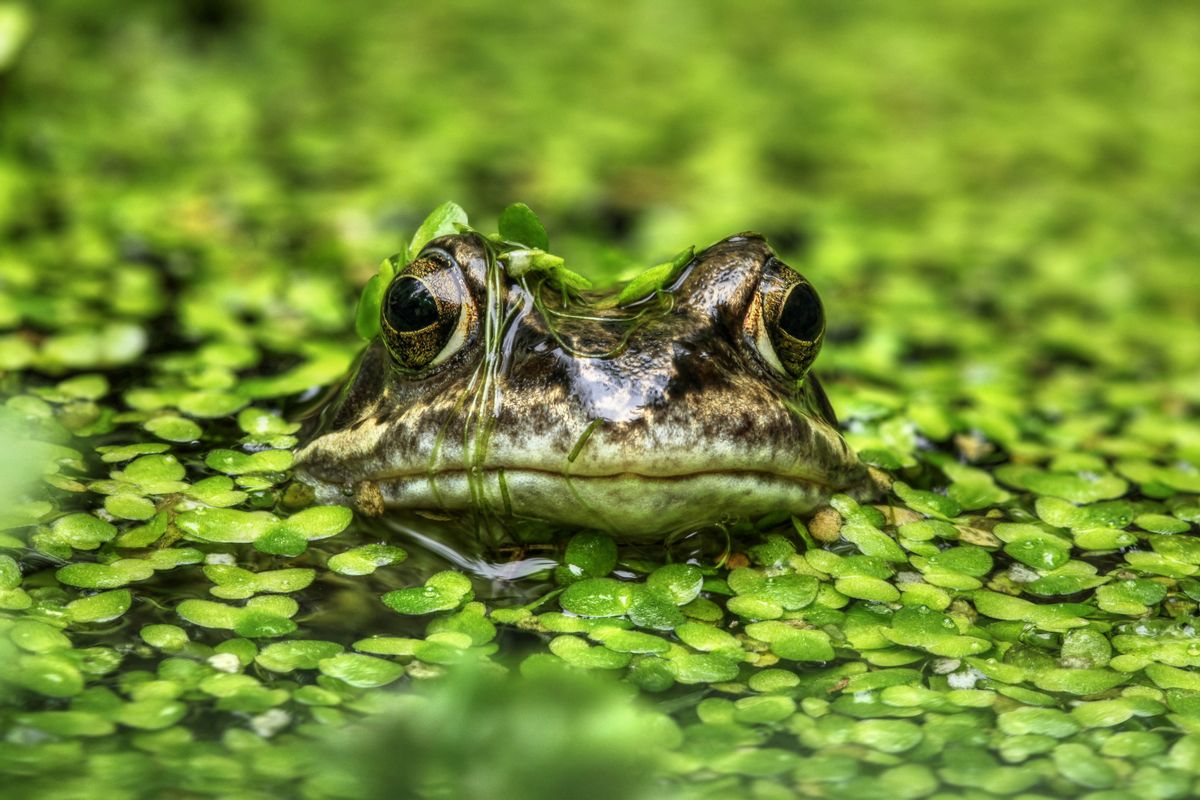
688,423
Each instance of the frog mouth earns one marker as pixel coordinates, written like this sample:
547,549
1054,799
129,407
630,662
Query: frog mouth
628,504
501,473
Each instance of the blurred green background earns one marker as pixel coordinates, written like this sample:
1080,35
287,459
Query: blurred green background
998,202
315,130
985,193
1031,164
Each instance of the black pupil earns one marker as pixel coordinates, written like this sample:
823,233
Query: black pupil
801,317
410,306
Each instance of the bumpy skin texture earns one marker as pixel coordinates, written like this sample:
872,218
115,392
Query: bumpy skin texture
685,425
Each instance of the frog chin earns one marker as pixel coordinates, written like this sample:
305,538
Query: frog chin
629,506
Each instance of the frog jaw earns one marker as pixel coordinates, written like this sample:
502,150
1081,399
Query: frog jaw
631,481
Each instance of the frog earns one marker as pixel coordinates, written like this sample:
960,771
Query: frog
490,394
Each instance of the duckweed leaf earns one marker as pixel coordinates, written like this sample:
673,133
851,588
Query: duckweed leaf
655,278
165,637
442,592
366,317
262,423
387,645
117,453
153,470
1082,487
754,606
865,587
297,654
1161,523
38,637
1078,681
151,714
366,559
886,735
129,506
653,611
361,671
281,541
105,576
100,607
589,555
47,675
235,583
707,638
83,531
208,614
68,723
1042,552
693,668
10,572
1132,597
925,502
318,522
793,644
83,387
217,491
973,561
873,542
145,535
519,224
224,525
469,622
578,653
173,428
442,221
773,680
679,584
254,624
623,641
598,597
1081,766
231,462
1037,721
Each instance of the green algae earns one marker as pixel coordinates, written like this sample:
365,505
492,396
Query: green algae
1013,338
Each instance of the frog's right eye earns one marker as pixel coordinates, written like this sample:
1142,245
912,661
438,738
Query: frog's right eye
426,313
786,321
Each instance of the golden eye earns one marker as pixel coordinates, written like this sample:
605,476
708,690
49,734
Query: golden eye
787,322
426,313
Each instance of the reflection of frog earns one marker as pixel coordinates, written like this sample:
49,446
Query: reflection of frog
489,394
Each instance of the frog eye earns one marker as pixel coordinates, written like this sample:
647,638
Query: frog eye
426,315
801,317
787,322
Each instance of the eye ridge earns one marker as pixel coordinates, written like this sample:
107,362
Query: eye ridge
801,315
410,306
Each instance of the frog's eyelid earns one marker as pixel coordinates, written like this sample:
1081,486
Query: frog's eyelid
762,340
756,327
456,340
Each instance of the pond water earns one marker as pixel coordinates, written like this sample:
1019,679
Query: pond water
1013,340
173,595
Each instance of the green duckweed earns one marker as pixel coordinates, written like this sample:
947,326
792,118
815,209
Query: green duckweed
1012,337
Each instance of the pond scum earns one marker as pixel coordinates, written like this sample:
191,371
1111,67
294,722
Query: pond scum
1014,308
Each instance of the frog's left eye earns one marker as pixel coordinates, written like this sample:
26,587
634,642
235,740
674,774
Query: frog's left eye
787,322
426,313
